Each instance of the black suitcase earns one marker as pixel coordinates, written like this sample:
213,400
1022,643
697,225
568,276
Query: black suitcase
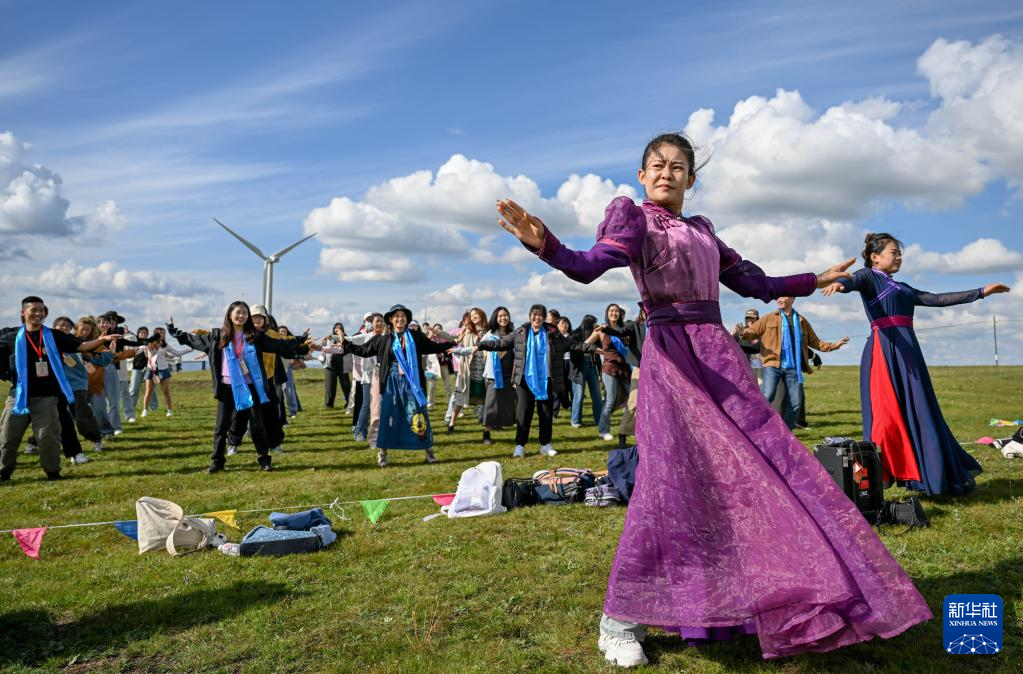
856,468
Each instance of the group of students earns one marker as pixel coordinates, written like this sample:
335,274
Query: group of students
99,386
695,556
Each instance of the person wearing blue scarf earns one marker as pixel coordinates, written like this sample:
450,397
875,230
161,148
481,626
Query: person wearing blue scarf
499,402
235,353
34,354
538,374
784,336
401,384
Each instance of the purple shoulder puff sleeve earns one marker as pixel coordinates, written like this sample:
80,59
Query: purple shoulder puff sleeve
747,279
619,241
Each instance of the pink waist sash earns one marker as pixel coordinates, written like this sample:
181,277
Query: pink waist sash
892,322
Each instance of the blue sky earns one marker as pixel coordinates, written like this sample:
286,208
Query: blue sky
281,122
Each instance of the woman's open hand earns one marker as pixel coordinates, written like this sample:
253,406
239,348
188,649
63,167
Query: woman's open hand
995,288
836,273
527,228
831,289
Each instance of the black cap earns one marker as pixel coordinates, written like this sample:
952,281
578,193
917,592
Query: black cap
395,308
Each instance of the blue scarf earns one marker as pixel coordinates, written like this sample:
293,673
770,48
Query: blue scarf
21,367
240,390
792,357
536,362
408,361
495,364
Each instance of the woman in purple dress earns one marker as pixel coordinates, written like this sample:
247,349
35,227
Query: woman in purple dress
900,410
785,554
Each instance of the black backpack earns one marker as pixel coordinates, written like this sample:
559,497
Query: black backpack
518,492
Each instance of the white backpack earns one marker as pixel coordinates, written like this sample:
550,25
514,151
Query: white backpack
479,492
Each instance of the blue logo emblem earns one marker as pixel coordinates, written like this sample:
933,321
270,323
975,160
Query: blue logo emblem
973,624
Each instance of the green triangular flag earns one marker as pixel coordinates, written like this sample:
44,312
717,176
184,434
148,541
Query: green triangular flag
374,509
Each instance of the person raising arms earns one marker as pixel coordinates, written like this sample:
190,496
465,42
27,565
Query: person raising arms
695,556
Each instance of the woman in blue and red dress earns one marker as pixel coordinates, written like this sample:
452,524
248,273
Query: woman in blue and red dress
900,410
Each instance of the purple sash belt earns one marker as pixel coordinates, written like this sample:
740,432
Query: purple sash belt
892,322
705,311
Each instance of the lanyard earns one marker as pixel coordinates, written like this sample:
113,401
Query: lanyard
239,344
37,349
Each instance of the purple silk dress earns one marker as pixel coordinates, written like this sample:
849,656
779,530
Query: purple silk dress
733,527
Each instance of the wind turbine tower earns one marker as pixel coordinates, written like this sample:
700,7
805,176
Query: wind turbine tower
268,263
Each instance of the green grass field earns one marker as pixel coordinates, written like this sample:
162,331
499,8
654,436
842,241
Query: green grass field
517,592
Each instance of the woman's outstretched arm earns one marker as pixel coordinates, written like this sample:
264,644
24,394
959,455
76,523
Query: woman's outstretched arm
619,239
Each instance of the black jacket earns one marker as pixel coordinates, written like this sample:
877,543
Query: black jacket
210,344
380,346
557,346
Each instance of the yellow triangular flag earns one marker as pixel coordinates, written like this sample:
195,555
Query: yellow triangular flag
228,517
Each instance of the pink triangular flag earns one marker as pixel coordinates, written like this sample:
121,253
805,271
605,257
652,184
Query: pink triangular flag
30,540
443,499
985,441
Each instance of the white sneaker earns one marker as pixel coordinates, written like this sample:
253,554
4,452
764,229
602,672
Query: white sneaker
547,450
118,432
30,449
606,436
519,452
97,446
231,450
575,425
145,413
170,413
131,420
621,652
79,458
277,450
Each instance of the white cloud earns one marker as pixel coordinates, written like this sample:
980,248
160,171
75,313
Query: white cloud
30,196
617,285
352,225
106,280
427,212
33,208
352,265
789,245
982,255
981,91
777,156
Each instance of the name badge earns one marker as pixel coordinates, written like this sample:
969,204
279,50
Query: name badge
42,368
244,367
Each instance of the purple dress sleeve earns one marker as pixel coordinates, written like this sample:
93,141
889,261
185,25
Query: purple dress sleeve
619,242
747,279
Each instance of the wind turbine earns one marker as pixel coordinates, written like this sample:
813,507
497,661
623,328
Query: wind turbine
268,263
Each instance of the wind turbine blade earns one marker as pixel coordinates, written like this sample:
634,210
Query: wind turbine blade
248,245
285,250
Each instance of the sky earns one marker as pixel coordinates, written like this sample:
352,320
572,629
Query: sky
391,130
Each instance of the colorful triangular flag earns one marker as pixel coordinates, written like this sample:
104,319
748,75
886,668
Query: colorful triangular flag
228,517
443,499
129,528
374,509
30,540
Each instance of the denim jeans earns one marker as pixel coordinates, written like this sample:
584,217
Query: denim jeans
621,629
590,381
291,395
772,375
362,425
611,386
136,387
109,416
